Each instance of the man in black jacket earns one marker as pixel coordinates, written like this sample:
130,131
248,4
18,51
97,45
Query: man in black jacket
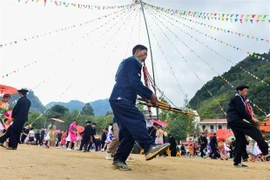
87,136
203,143
20,116
213,146
236,114
173,145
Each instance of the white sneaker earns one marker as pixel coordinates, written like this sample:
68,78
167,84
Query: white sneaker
102,150
108,156
68,149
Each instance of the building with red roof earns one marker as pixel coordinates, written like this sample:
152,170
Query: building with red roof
212,125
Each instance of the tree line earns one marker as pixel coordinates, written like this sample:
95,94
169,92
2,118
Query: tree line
179,125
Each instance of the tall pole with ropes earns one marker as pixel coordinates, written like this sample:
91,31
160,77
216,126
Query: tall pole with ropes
150,48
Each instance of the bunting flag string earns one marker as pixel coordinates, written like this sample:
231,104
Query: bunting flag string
222,77
222,110
220,41
70,44
131,33
47,109
2,45
117,31
259,57
223,57
139,28
232,17
78,5
168,63
45,80
255,105
113,51
232,86
122,24
49,77
226,30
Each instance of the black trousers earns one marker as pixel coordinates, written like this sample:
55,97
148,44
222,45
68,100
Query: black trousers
37,141
242,128
202,150
90,144
102,144
72,145
245,154
84,143
214,151
173,153
41,140
13,133
132,127
23,137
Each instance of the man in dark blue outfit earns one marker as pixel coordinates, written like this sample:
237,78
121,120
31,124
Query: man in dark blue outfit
213,145
131,122
236,114
20,116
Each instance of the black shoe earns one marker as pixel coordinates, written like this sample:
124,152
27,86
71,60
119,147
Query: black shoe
2,144
239,165
121,165
11,148
155,150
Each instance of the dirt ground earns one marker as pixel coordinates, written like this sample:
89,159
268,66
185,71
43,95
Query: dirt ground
32,162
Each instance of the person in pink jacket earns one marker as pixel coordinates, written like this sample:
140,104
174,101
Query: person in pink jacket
72,134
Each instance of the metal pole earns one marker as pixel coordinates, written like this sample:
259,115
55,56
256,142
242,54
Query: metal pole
150,48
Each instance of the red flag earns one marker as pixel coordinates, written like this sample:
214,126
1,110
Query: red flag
45,1
253,15
241,20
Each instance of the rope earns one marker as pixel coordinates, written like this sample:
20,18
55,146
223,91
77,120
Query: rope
189,66
223,57
60,49
168,63
108,60
226,30
80,24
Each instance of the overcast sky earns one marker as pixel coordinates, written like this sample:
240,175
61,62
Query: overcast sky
71,67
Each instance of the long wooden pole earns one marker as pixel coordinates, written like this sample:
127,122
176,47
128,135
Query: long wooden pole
150,48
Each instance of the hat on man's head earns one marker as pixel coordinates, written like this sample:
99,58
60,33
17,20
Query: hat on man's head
88,122
241,87
23,90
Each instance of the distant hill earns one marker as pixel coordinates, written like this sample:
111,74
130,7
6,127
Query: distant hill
101,107
259,93
71,105
36,105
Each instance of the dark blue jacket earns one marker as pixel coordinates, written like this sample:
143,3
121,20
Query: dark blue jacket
237,110
21,109
213,141
128,81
